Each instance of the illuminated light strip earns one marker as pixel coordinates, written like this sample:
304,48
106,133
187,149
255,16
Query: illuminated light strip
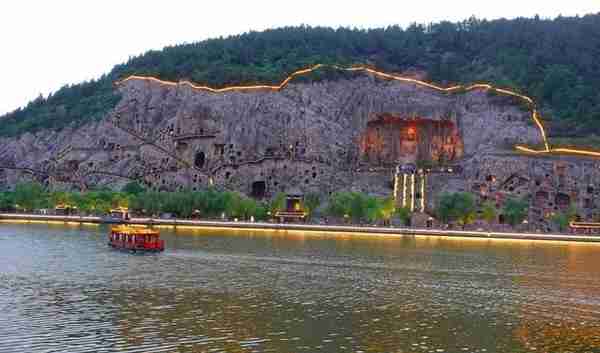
588,153
395,189
412,193
538,122
529,150
483,86
403,190
278,228
584,225
575,151
422,193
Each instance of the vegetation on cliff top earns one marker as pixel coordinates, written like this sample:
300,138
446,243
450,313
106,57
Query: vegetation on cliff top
551,60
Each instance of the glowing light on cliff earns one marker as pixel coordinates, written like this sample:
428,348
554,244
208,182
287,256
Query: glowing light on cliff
412,192
584,225
588,153
453,89
403,190
538,122
422,193
395,189
576,151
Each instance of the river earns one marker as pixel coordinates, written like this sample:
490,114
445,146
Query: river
62,289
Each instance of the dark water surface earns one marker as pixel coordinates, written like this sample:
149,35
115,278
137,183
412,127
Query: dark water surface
63,290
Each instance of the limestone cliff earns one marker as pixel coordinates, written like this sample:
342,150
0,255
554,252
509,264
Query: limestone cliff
170,136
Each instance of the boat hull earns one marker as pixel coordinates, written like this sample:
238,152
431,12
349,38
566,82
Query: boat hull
136,248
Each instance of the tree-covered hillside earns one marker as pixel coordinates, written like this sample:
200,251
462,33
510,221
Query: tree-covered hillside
555,61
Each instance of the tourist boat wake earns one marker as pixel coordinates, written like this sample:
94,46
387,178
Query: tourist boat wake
135,239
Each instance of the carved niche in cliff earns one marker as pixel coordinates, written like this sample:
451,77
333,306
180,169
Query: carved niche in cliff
391,139
201,124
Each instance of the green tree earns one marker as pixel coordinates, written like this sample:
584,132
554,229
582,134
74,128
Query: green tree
459,207
515,211
29,196
311,203
358,206
7,201
260,213
119,200
465,208
563,219
489,213
388,208
58,198
277,203
404,214
240,206
373,208
150,203
340,204
133,188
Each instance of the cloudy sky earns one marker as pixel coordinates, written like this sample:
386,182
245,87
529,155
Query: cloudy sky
47,44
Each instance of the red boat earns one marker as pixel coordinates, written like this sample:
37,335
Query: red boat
135,239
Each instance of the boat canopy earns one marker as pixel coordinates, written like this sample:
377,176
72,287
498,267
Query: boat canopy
133,230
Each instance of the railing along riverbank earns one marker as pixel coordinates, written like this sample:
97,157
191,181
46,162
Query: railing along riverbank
273,227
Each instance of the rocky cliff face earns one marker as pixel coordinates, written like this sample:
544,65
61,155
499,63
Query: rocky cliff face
308,135
187,134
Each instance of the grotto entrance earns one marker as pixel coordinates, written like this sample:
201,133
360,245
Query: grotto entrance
200,159
390,139
258,189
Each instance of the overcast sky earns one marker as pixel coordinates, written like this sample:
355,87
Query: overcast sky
47,44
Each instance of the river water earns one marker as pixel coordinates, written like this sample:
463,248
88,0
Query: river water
62,289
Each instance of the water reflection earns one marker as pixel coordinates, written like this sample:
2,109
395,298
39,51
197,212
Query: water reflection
62,289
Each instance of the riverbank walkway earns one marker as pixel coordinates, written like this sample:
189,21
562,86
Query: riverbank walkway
340,229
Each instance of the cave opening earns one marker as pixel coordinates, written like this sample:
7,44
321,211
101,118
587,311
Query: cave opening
258,189
200,159
270,151
181,146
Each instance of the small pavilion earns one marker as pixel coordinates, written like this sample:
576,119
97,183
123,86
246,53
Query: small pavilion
64,209
294,207
119,213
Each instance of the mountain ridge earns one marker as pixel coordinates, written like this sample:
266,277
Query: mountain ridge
531,55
